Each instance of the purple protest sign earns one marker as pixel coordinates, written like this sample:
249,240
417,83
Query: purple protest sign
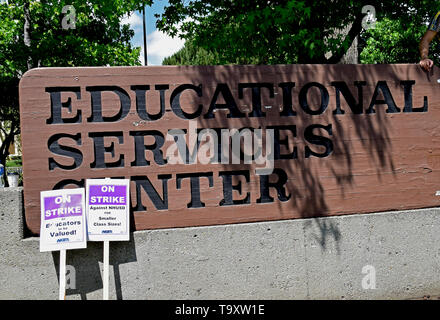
107,209
62,206
107,194
63,223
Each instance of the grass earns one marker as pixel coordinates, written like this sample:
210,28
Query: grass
14,163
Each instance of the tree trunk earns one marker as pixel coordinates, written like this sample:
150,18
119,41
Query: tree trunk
27,34
4,150
351,39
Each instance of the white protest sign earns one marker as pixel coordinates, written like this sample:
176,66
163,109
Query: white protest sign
63,224
107,207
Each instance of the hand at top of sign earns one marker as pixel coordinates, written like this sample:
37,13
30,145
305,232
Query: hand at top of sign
430,34
426,64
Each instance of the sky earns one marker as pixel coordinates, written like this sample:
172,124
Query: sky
159,45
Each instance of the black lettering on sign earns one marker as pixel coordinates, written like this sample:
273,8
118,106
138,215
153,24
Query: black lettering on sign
256,96
175,101
65,151
309,136
100,149
142,182
223,89
285,142
141,101
228,188
287,99
407,89
140,147
303,102
96,94
56,105
195,186
278,186
341,87
388,99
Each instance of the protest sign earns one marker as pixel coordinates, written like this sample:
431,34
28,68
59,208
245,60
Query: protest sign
107,216
63,223
108,209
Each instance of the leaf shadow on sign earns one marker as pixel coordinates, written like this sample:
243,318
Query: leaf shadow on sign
84,268
316,184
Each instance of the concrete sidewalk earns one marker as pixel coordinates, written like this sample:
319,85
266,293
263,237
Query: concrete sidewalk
323,258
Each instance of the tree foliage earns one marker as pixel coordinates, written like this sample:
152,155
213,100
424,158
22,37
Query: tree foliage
192,55
391,41
31,35
282,31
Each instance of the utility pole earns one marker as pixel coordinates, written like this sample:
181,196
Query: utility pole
145,36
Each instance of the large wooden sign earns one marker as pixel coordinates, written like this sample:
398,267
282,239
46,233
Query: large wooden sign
313,140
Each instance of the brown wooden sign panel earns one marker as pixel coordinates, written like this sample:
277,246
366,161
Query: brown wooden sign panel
344,139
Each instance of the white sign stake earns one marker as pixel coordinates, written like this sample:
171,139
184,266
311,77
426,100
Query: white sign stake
106,266
62,295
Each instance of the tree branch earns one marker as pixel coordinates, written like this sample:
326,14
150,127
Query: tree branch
355,30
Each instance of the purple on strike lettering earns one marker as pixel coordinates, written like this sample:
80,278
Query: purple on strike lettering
107,194
62,206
